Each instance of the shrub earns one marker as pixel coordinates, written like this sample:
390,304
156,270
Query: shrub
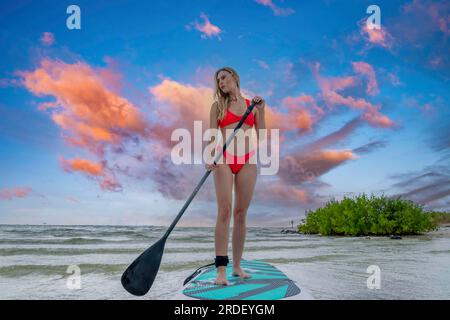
371,216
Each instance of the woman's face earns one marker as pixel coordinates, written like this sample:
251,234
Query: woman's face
225,81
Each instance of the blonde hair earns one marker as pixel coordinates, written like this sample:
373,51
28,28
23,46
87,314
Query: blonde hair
222,98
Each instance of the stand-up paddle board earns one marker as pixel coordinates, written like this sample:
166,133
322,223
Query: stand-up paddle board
266,283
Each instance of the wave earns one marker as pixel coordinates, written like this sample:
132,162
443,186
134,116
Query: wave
320,258
63,241
15,271
78,251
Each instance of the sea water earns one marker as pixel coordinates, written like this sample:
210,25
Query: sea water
38,262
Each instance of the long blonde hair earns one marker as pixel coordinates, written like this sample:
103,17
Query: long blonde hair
222,98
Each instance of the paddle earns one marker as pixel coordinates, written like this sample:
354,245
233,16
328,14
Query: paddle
139,276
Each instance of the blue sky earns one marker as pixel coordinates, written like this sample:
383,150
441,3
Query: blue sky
377,99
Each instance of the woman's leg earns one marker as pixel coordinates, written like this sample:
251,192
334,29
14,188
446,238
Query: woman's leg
244,184
223,181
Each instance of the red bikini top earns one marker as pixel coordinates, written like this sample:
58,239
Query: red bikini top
230,117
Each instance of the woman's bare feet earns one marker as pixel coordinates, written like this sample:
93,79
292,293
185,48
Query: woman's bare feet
238,272
221,276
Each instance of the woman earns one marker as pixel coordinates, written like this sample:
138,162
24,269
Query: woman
225,113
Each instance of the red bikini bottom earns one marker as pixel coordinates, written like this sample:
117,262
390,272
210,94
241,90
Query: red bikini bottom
236,162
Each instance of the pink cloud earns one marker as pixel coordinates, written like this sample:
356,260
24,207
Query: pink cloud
207,29
436,11
331,85
375,37
366,70
286,193
276,10
47,38
374,117
18,192
303,113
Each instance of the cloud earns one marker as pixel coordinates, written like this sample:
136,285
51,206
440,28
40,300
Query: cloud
91,115
394,80
429,187
366,70
276,10
440,138
207,29
279,191
73,199
47,38
82,165
425,46
18,192
303,113
262,64
437,16
178,105
84,107
96,171
334,137
375,37
330,87
301,167
370,147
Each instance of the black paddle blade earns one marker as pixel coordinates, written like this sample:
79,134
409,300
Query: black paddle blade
139,276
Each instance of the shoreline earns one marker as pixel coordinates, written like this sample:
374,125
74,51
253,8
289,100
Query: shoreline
437,231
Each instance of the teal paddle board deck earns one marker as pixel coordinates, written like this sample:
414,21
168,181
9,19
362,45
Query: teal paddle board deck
266,283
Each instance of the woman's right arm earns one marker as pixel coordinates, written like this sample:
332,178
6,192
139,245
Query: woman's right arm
212,125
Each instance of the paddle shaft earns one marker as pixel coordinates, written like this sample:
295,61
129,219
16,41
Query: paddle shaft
205,176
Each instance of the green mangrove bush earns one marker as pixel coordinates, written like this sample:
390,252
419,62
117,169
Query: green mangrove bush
372,215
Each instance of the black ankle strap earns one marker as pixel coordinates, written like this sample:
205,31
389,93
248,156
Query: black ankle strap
221,261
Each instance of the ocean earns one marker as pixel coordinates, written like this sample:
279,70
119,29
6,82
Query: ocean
42,262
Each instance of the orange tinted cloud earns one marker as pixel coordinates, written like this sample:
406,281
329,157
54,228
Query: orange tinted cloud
303,113
89,111
97,171
84,107
179,105
19,192
82,165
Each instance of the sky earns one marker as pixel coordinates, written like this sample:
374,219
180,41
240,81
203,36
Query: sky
87,114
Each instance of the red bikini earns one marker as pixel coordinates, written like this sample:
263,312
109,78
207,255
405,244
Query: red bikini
236,162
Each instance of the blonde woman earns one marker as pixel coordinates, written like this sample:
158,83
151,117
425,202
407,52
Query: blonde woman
226,111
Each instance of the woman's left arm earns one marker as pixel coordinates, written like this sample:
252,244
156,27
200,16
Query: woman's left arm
260,116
